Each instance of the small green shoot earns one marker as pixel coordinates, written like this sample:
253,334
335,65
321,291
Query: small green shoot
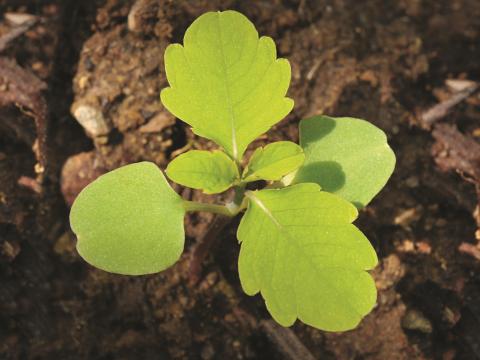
274,161
298,246
212,172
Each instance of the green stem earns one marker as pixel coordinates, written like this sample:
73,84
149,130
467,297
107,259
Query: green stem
213,208
239,194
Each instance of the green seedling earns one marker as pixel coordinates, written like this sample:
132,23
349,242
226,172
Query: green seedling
299,248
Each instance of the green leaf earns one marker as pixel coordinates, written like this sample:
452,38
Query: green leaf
274,161
300,250
226,82
213,172
129,221
346,156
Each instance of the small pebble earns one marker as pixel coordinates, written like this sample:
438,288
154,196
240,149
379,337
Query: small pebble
412,182
91,118
415,320
208,352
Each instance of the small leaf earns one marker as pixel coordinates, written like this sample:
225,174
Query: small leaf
129,221
274,161
300,250
346,156
213,172
226,82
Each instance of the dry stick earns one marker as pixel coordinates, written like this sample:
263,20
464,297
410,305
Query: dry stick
30,183
222,219
23,89
440,110
463,153
286,341
18,30
16,80
204,244
455,151
470,249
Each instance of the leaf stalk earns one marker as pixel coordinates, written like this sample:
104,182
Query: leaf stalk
213,208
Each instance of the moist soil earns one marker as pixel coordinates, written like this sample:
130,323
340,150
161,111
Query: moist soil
100,63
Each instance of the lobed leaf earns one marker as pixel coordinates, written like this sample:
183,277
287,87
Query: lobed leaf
213,172
129,221
226,82
274,161
300,250
346,156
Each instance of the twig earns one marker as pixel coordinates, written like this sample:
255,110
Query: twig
23,89
205,243
23,21
286,341
313,70
470,249
440,110
455,151
30,183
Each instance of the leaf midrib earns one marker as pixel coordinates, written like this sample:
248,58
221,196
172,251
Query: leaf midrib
270,166
227,93
269,214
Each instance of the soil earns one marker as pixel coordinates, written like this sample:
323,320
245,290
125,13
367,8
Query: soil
98,68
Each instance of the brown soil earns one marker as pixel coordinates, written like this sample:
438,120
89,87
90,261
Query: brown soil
101,62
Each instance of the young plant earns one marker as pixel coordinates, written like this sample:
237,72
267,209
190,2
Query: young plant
299,248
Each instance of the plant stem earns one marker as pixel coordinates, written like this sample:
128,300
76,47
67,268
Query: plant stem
213,208
239,194
225,215
204,245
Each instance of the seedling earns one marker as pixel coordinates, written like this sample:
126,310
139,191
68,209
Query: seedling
299,248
